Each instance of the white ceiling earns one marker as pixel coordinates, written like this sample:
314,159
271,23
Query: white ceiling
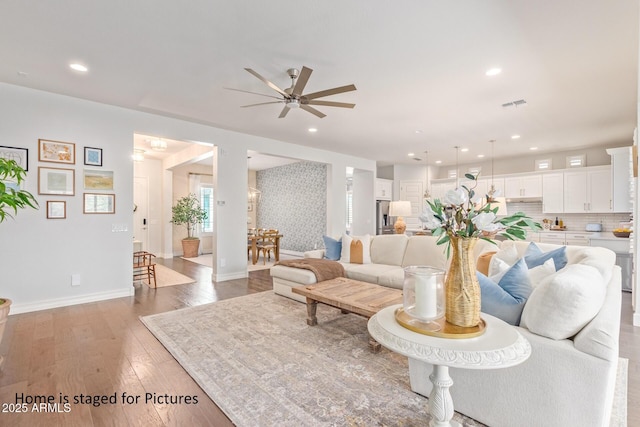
418,65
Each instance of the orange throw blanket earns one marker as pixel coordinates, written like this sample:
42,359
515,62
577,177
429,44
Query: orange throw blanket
324,269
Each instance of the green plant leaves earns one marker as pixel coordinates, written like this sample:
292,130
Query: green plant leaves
10,199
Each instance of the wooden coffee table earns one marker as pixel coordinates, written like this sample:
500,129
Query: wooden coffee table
351,296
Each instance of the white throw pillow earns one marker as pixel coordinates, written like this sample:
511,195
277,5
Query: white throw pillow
497,269
559,308
538,274
503,259
345,255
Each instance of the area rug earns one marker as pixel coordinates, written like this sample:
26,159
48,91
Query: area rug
257,359
168,277
206,260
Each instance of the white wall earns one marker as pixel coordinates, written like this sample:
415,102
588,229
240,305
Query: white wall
38,256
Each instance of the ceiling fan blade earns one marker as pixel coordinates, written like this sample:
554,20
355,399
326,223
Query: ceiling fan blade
261,103
312,110
284,112
332,104
302,80
268,83
328,92
254,93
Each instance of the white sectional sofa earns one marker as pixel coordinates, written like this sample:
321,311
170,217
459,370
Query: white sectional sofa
565,382
389,255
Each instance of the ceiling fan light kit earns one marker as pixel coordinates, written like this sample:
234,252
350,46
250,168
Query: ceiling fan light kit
293,96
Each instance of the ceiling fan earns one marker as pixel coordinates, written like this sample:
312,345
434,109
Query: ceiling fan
293,96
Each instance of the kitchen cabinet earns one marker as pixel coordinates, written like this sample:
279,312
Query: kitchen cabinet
565,238
384,189
485,186
553,193
587,190
622,176
439,188
523,186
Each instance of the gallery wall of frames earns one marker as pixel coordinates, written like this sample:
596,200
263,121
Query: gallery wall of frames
57,177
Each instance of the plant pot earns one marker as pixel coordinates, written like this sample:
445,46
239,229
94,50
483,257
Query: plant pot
461,285
4,314
190,247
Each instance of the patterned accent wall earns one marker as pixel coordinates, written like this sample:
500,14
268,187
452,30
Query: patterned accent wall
294,200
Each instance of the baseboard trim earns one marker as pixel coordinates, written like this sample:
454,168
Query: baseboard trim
636,319
229,276
66,301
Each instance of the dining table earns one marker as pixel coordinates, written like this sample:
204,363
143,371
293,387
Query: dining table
254,246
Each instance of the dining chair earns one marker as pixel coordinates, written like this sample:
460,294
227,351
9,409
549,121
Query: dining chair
267,243
144,267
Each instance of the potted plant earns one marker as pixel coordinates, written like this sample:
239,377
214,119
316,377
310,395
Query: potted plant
11,199
188,212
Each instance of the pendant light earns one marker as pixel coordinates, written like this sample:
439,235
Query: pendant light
427,194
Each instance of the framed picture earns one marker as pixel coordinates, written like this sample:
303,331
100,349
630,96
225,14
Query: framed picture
95,203
56,151
20,155
92,156
56,209
98,180
56,181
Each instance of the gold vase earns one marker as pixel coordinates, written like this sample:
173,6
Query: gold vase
462,289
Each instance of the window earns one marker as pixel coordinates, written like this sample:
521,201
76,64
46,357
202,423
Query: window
206,201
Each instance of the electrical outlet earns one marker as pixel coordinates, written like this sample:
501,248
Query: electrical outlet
75,280
223,262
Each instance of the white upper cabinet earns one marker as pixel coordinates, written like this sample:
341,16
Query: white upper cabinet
553,193
622,176
587,190
384,189
524,186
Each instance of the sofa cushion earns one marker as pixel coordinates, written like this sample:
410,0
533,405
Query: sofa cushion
368,272
506,298
534,256
332,248
363,255
392,279
422,250
560,307
388,249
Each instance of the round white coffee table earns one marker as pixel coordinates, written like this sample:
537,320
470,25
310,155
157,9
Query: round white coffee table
501,346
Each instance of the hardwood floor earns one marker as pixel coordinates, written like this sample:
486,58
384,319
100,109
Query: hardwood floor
99,349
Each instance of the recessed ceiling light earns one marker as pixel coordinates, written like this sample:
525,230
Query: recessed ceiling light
78,67
480,155
464,150
438,161
493,71
22,74
313,130
515,136
411,154
533,148
418,131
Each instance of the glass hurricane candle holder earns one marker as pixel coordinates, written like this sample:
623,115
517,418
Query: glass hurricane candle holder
423,293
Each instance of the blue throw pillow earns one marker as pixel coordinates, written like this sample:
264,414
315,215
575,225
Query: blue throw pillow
332,248
506,299
534,256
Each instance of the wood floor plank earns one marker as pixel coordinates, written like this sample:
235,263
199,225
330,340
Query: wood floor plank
103,348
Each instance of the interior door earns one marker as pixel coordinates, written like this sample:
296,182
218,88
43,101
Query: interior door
141,213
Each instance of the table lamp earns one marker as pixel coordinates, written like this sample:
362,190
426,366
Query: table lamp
400,209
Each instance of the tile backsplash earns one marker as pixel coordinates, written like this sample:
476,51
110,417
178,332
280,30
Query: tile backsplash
573,221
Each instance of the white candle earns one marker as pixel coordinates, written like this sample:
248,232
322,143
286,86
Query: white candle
426,296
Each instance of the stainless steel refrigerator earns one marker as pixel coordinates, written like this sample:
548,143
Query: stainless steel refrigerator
383,220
